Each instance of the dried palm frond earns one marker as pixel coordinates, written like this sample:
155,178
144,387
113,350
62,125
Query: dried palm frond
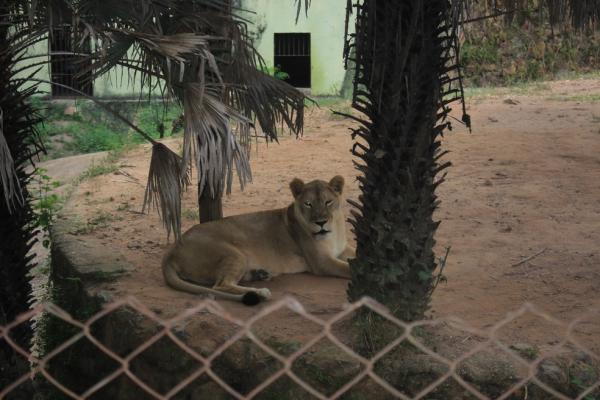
166,182
9,181
210,140
299,8
207,63
271,101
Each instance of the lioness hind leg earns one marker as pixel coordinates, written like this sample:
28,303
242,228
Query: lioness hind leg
231,271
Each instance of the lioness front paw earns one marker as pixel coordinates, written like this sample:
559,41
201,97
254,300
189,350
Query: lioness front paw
264,293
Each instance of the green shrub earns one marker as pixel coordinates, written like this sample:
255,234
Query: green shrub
495,54
92,129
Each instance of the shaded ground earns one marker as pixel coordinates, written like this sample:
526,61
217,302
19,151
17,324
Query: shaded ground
525,182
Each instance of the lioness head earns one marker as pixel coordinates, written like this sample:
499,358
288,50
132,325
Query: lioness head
317,204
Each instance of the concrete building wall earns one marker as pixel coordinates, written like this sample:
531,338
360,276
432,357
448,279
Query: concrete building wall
39,52
114,84
325,23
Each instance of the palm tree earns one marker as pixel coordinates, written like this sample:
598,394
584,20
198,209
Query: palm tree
19,143
406,54
198,53
194,51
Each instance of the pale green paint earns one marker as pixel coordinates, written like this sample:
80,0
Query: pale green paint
39,54
116,83
325,23
120,82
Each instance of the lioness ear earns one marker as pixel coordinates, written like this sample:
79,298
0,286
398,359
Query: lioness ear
337,184
296,185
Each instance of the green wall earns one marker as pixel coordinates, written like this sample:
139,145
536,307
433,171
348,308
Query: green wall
39,49
325,23
115,83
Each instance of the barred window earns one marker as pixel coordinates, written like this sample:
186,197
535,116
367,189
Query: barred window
65,67
292,56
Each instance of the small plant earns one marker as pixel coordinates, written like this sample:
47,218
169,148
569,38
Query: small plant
102,219
100,169
276,72
98,221
125,206
106,166
45,203
91,129
581,378
191,215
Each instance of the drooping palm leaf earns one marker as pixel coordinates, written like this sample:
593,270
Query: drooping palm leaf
209,139
8,175
166,181
299,4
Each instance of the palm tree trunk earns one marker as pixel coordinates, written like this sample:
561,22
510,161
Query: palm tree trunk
211,209
402,49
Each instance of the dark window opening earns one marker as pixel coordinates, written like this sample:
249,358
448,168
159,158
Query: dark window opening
65,69
292,56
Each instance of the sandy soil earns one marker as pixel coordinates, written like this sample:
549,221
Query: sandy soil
525,181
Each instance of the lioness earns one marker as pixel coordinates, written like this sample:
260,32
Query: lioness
307,236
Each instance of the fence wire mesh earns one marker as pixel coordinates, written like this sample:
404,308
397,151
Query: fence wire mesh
530,367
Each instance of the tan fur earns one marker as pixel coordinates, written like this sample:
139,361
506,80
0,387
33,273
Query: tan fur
223,253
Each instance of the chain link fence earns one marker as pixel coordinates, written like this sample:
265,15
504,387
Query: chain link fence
380,356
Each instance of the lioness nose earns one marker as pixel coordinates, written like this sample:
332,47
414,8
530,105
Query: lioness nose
321,223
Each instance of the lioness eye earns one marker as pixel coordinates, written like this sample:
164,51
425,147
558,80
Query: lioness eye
307,204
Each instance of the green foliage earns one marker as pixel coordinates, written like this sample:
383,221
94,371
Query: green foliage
45,203
96,138
335,104
191,215
106,166
528,50
276,72
100,220
584,98
86,128
326,101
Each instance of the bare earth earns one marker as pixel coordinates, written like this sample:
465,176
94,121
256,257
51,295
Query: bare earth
526,181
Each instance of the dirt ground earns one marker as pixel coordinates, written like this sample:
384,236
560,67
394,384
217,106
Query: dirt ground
525,182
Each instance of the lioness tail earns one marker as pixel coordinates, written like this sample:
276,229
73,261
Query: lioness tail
174,280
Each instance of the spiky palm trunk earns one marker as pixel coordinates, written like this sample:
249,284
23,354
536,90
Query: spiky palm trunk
17,122
402,50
